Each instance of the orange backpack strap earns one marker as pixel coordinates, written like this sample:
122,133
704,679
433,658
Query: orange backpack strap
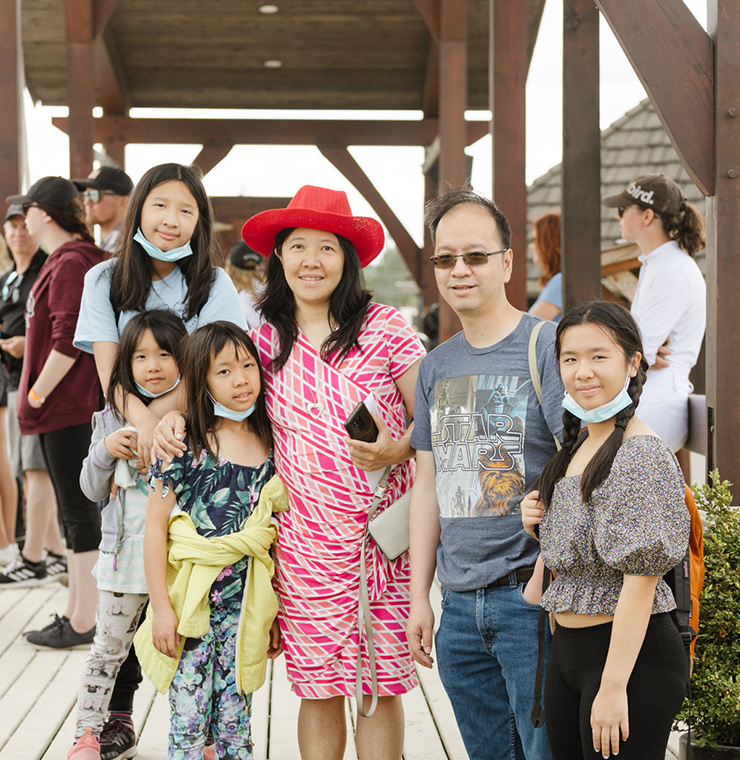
696,558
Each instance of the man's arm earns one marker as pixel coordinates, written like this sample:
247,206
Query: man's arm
424,532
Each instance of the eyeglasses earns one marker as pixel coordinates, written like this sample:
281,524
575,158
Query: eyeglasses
28,205
94,196
472,259
11,288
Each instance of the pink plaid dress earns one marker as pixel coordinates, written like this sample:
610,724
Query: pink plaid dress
318,550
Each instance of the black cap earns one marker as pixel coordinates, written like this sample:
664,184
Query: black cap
107,178
13,210
243,257
52,191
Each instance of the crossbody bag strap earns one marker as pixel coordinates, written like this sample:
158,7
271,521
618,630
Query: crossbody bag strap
363,612
534,371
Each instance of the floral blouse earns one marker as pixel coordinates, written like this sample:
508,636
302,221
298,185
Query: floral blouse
219,496
636,523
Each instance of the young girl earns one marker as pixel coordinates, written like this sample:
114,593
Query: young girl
147,367
212,608
615,520
166,261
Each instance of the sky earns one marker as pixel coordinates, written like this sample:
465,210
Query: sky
281,170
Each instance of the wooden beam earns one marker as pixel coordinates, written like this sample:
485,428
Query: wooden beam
674,59
723,261
210,155
430,96
581,178
10,97
237,209
508,61
430,12
102,11
343,160
80,85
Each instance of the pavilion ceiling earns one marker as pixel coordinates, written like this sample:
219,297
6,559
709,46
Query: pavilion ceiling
334,54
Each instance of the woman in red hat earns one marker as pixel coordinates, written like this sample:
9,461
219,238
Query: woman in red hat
325,347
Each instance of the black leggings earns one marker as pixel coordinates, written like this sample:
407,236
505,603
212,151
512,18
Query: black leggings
655,690
64,450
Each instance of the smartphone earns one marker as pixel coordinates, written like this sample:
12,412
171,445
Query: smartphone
360,424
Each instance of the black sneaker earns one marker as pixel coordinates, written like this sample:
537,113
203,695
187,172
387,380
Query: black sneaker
23,573
56,567
117,740
58,622
60,637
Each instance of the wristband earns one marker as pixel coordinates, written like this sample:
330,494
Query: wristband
36,398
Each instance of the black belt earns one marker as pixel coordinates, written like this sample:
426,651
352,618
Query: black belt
523,574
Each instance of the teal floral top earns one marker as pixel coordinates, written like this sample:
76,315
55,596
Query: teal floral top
219,497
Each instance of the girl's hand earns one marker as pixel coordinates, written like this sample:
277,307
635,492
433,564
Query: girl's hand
532,510
609,717
122,444
165,637
144,441
275,647
15,346
168,437
378,455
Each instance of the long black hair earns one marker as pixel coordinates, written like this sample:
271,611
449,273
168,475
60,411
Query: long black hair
201,348
347,305
131,279
168,331
622,328
69,219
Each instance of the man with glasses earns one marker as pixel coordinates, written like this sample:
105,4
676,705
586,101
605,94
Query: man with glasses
105,196
481,438
33,566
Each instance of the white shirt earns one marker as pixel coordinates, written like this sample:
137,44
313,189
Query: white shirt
671,302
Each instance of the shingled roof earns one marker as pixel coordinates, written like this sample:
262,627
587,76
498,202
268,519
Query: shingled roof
633,145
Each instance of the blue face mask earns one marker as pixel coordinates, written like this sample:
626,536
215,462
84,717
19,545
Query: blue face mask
149,394
223,411
171,256
602,413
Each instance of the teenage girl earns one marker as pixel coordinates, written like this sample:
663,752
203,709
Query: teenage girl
214,505
146,367
613,520
166,261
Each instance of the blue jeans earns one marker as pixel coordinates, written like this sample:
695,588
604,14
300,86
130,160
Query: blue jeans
487,654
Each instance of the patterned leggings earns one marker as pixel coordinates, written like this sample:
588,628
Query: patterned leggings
203,694
118,617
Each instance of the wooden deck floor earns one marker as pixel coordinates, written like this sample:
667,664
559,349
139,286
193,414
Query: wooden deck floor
38,691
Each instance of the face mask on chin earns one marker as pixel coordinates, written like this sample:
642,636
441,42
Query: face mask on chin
230,414
171,256
602,413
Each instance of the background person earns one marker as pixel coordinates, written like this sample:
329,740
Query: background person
59,391
26,458
247,271
615,520
670,301
105,195
546,242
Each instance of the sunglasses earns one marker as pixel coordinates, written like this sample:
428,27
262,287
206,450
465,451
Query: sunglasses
472,259
28,205
94,196
11,288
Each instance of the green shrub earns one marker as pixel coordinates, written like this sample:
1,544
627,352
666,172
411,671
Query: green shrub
715,683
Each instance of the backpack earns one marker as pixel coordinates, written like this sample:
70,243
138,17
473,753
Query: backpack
686,580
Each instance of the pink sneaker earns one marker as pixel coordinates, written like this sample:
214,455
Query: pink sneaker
209,752
85,748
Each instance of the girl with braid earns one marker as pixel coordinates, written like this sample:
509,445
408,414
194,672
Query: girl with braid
612,520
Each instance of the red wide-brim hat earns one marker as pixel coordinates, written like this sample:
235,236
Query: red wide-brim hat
316,208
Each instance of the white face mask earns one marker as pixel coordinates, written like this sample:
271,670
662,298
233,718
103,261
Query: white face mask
230,414
171,256
602,413
149,394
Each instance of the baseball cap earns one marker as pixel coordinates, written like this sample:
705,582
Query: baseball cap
14,209
243,257
107,178
52,191
655,191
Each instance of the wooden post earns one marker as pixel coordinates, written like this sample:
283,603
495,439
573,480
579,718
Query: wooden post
723,260
10,178
509,61
453,100
80,86
581,190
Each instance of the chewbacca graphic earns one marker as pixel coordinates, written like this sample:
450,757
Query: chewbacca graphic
501,483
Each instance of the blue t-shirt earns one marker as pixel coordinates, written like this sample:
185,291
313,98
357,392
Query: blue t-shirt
552,293
477,411
97,320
